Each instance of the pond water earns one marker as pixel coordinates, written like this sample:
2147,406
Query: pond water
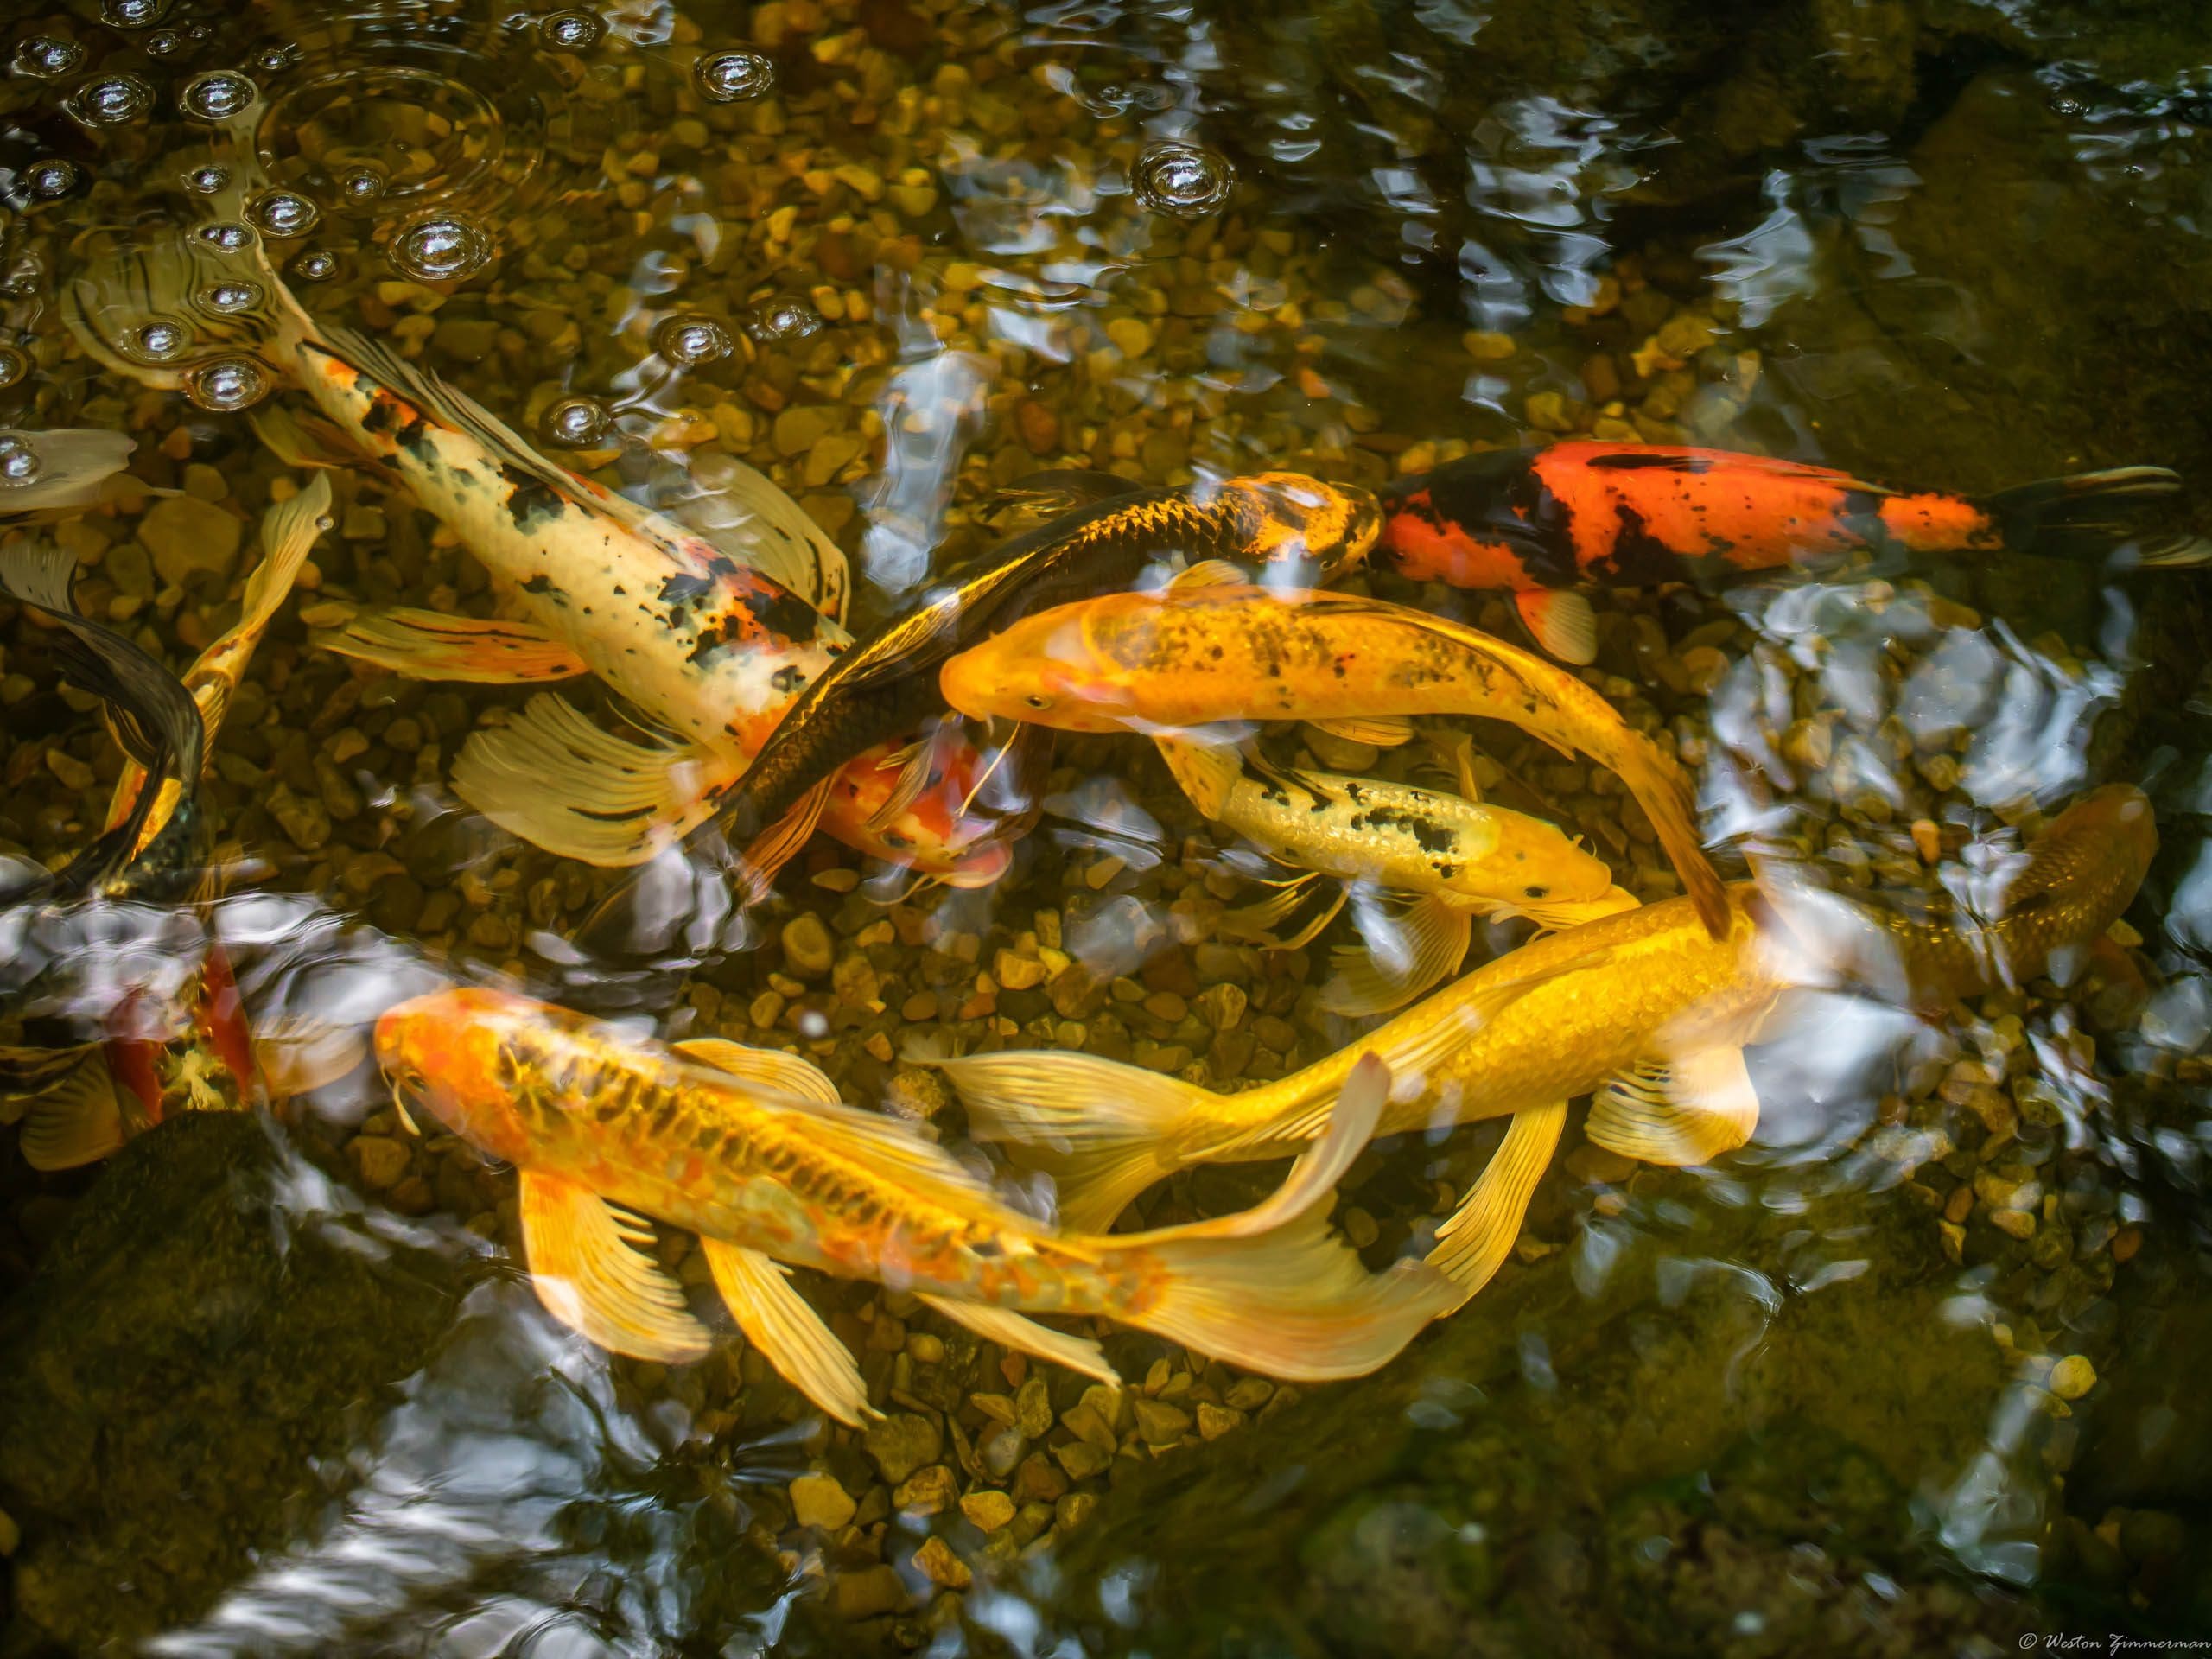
1914,1370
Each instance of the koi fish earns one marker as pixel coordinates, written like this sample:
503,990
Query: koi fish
1457,858
1646,1009
711,640
752,1150
887,683
1205,649
1537,523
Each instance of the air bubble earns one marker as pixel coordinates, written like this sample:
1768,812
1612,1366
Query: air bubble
165,43
228,236
227,383
206,181
275,60
111,101
316,265
160,340
578,423
782,321
19,463
441,249
283,214
575,30
133,14
45,56
15,364
363,185
218,95
688,339
228,299
51,179
1183,181
734,77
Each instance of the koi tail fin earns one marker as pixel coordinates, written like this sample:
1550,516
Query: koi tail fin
1273,1289
2095,515
1103,1131
211,308
1664,794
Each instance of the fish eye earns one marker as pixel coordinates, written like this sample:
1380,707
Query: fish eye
411,1080
1533,893
1038,699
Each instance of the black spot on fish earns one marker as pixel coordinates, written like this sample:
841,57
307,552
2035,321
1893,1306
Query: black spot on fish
382,414
684,590
1429,837
540,583
415,439
789,679
531,502
786,616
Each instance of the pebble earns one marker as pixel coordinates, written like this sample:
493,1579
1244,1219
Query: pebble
819,1501
381,1161
1160,1423
11,1536
936,1562
188,537
902,1443
73,774
2072,1377
927,1491
868,1591
987,1510
809,951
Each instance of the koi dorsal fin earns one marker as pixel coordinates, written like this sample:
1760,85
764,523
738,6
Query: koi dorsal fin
587,1269
767,1068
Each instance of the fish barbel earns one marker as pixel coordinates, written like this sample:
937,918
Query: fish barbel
752,1150
1645,1007
1536,523
1206,651
887,682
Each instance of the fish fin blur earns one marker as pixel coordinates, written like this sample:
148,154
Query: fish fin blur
1062,489
1206,771
2171,553
1290,1299
748,517
2089,516
554,779
78,1121
290,531
1017,1331
1433,937
1459,753
1377,731
1472,1242
1204,573
25,1072
1560,620
1550,916
788,1333
1259,921
1103,1131
432,645
308,443
300,1055
915,762
769,1069
590,1270
1686,1110
783,840
891,1148
74,464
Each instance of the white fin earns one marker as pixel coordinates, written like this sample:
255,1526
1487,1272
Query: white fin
1289,1297
1206,771
77,1121
74,464
1377,731
1206,573
785,1076
1560,620
432,645
753,521
1432,939
1686,1110
1015,1330
1472,1242
589,1269
299,1055
788,1333
557,781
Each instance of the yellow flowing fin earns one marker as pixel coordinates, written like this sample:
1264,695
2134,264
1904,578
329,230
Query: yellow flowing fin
783,840
788,1333
78,1121
1552,915
308,442
27,1072
1377,731
1434,935
1289,1297
1204,772
916,761
1560,620
1458,752
1016,1331
554,779
587,1266
1204,573
1470,1245
300,1055
74,466
430,645
1684,1110
750,519
1258,922
784,1075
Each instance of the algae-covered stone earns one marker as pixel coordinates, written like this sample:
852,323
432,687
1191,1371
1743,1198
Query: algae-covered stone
902,1443
189,537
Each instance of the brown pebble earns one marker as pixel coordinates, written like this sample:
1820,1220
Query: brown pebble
936,1562
2126,1242
1040,426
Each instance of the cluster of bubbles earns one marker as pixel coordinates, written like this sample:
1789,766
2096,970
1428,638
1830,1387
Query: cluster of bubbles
734,77
578,422
440,247
779,322
218,95
228,299
688,339
173,43
1181,180
112,100
19,463
227,236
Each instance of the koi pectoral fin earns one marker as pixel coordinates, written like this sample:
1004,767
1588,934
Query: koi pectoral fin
788,1333
1012,1329
430,645
1686,1110
767,1069
588,1266
1431,939
1206,771
557,781
1470,1245
1560,620
78,1121
1377,731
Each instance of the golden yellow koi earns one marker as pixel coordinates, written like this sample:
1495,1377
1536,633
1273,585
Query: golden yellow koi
752,1150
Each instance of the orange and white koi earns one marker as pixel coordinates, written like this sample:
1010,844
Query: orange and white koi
1646,1007
752,1150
